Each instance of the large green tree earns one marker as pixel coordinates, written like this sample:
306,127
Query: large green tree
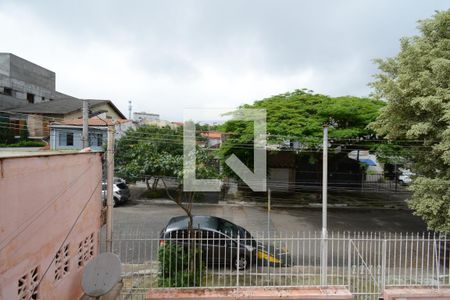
416,85
153,152
299,116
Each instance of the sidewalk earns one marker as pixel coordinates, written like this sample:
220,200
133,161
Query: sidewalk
162,201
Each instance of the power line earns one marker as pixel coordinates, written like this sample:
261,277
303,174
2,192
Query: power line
41,211
68,234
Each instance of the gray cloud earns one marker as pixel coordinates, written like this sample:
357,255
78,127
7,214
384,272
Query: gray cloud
167,55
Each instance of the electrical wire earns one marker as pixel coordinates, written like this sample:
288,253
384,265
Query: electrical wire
67,235
46,206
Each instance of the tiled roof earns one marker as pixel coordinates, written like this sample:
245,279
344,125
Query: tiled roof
212,134
95,121
61,107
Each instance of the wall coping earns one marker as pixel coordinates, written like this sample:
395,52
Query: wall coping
314,292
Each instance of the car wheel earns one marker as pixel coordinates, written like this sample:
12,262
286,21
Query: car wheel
241,263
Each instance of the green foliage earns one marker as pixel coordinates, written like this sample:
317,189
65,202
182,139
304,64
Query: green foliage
25,144
24,132
153,151
431,201
300,116
176,268
6,134
416,85
149,150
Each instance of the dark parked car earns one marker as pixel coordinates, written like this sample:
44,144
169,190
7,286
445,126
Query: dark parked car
222,242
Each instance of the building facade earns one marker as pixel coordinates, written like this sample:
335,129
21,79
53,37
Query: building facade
67,134
141,117
28,96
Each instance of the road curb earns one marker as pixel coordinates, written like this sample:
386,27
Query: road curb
281,206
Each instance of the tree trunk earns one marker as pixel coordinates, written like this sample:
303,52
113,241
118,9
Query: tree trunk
147,183
155,183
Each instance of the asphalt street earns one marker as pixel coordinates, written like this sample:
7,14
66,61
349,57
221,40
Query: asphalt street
137,225
152,218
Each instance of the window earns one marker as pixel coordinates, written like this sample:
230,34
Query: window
28,285
69,137
65,138
7,91
30,98
99,140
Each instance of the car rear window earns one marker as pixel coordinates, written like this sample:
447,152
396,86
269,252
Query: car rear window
121,185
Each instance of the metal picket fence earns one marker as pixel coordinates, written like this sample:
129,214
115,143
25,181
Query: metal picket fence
364,262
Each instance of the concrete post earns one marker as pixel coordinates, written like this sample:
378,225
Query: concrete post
324,254
85,137
109,184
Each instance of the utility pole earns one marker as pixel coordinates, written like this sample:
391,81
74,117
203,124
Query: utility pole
129,110
109,185
269,195
268,211
324,254
85,136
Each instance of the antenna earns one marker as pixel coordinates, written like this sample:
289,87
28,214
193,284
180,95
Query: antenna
130,106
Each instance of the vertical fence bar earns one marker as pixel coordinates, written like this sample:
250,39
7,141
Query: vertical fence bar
238,259
383,265
349,263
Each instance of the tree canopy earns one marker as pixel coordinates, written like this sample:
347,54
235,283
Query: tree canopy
300,116
416,85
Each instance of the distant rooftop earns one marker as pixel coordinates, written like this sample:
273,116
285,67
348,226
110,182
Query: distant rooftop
145,113
62,107
94,121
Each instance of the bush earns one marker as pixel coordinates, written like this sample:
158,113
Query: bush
176,269
25,144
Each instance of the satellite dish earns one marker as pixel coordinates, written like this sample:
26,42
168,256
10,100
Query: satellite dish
101,274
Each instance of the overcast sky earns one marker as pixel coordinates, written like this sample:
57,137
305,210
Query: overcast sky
169,55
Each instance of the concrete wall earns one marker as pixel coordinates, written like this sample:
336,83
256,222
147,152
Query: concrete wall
26,71
11,102
41,198
25,77
416,293
266,293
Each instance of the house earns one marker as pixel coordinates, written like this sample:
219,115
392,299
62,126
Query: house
67,134
28,97
374,169
281,171
213,139
140,117
50,222
39,116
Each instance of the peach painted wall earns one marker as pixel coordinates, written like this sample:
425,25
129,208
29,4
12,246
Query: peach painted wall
40,199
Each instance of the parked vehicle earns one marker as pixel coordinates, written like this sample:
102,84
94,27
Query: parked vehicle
405,177
222,242
121,192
